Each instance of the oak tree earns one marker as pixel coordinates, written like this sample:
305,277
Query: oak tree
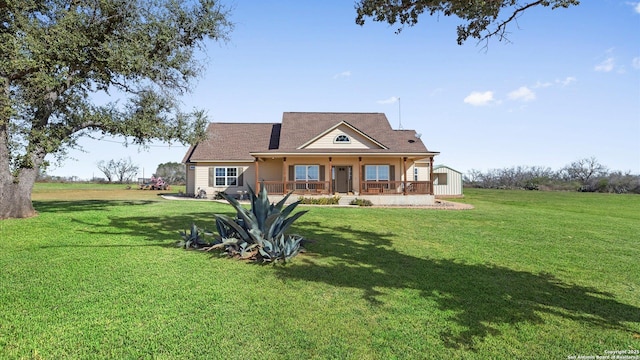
172,172
483,18
55,55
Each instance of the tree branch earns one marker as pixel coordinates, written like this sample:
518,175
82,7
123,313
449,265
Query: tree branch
502,26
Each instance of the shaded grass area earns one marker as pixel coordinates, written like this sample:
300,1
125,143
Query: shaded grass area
525,275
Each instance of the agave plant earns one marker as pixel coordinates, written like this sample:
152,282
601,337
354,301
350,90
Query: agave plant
194,239
259,232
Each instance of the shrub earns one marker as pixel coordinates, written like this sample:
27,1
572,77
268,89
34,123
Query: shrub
361,202
259,233
333,200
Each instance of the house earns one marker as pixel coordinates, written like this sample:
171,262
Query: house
313,153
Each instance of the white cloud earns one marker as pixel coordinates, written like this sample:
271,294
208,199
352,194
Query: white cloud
540,84
477,98
522,94
568,80
390,100
344,74
636,62
606,66
563,82
636,7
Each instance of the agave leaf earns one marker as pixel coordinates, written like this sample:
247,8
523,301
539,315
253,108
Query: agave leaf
265,255
267,245
231,241
289,208
243,213
281,203
286,223
228,221
257,236
222,229
252,193
217,246
260,207
273,223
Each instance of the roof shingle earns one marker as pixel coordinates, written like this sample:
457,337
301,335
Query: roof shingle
238,141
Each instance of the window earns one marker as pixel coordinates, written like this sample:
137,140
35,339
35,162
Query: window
415,173
342,139
224,176
440,179
307,173
376,172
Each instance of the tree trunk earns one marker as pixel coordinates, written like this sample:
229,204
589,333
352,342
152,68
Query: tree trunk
16,198
15,191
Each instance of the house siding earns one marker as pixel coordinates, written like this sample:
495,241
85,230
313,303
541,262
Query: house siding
423,171
357,141
201,179
453,187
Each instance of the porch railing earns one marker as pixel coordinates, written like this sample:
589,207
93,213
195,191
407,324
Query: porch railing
395,187
298,187
366,187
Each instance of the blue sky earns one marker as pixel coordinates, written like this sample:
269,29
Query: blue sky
566,86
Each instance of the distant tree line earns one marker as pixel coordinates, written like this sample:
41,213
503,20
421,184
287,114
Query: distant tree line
121,171
586,175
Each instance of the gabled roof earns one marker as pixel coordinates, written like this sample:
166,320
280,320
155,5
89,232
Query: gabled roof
342,123
244,141
436,167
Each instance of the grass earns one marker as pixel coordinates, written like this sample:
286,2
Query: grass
526,275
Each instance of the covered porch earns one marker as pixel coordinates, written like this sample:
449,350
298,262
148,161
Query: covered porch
347,175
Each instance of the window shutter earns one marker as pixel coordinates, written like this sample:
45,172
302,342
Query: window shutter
240,176
392,172
322,177
363,175
211,176
292,175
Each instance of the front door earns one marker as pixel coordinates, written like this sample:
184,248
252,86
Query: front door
343,179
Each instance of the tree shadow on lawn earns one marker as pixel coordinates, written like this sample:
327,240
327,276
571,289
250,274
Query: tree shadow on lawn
163,229
481,297
68,206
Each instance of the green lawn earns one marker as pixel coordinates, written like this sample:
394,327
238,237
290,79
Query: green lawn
525,275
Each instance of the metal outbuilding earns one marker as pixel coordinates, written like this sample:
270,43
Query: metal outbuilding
447,182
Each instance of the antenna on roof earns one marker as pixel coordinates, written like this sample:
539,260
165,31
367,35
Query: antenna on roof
399,115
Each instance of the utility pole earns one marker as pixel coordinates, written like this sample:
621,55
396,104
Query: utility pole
399,115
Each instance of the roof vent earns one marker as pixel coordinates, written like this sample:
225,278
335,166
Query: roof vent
411,141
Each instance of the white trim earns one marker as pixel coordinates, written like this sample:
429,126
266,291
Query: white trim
354,153
335,127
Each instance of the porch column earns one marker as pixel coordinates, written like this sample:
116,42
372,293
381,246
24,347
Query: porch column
360,175
404,180
285,174
257,174
330,176
431,175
